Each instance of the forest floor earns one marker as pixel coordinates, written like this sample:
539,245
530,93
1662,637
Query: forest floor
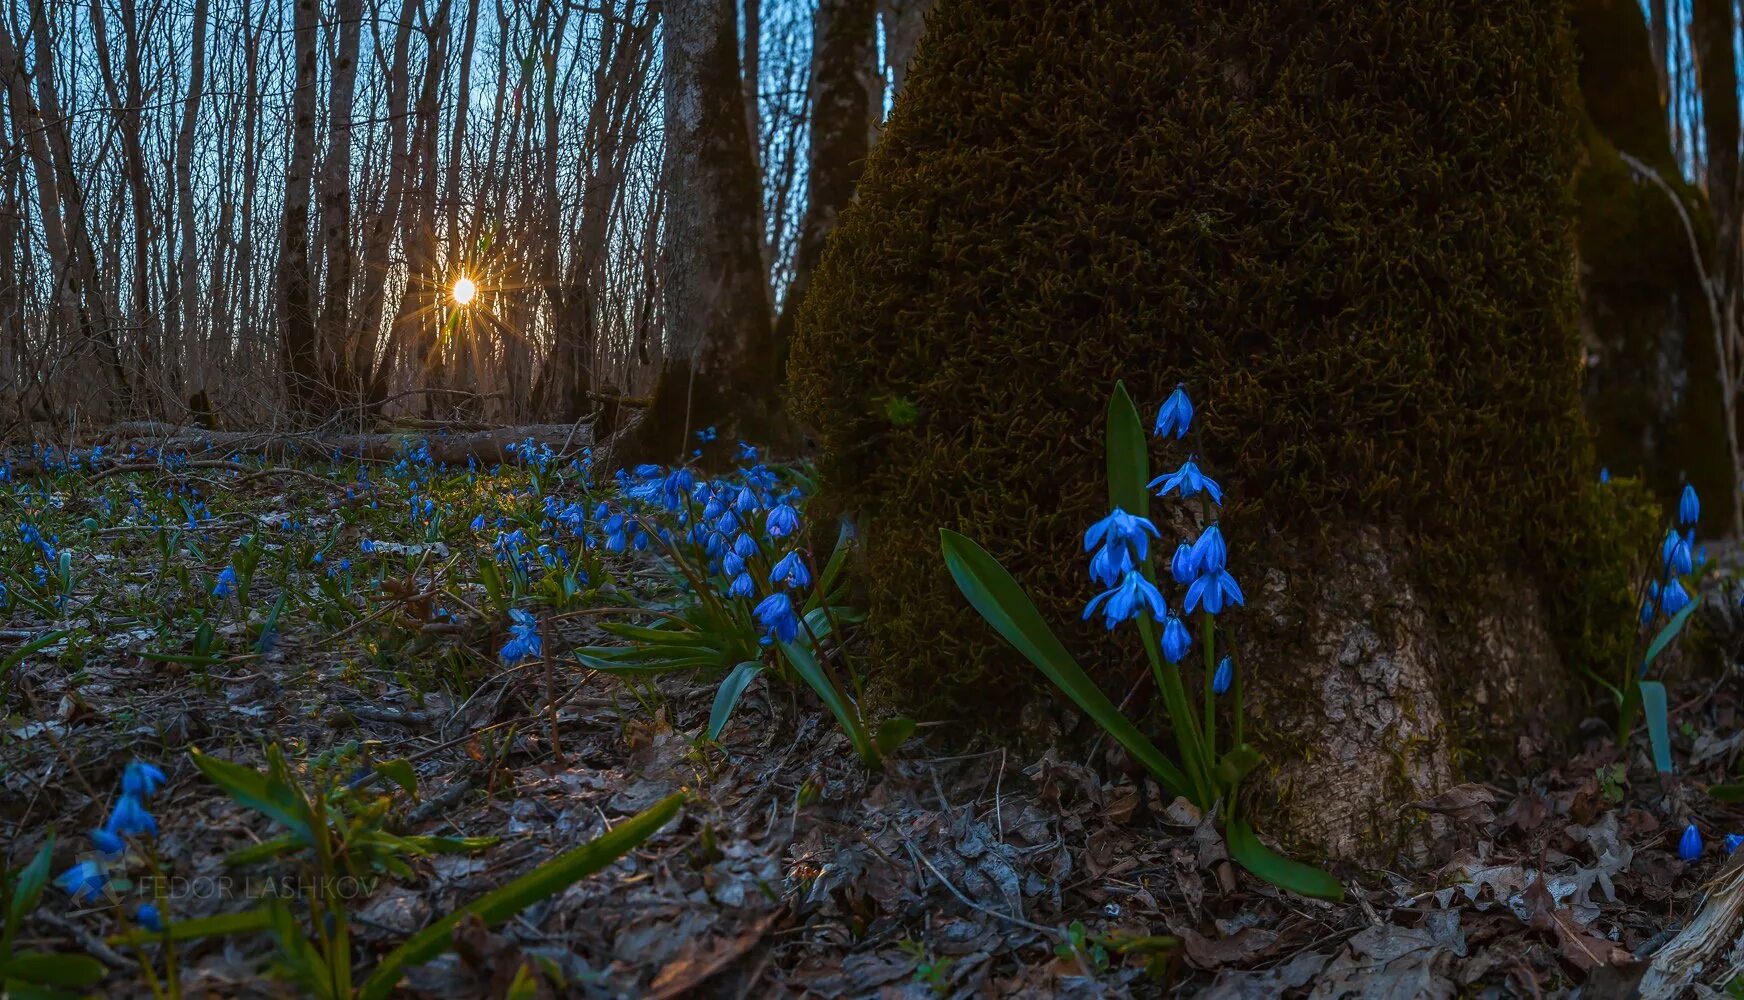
960,869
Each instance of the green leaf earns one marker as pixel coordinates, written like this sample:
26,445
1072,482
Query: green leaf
449,845
809,670
1729,792
222,925
893,733
400,773
1128,459
728,694
1273,867
992,592
44,969
41,642
1658,734
1236,765
645,633
499,905
276,800
27,892
266,849
1669,632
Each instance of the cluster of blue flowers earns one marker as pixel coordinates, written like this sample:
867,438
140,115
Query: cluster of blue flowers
89,878
524,641
1678,557
1689,846
1121,543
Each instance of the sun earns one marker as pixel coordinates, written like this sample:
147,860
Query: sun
464,290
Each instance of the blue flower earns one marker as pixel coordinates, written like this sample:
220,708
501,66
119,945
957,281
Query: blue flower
110,845
141,779
1225,674
1188,481
226,583
1121,528
1209,553
791,571
775,613
1604,475
1181,566
1133,594
1213,590
744,546
1677,555
732,564
1110,563
1689,506
478,523
783,520
367,546
1673,598
148,918
676,487
1176,639
524,640
1733,842
742,586
1176,415
84,881
1689,847
130,819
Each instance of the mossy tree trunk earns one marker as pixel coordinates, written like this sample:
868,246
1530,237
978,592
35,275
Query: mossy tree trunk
1346,227
722,367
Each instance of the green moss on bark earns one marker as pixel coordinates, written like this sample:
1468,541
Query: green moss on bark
1346,226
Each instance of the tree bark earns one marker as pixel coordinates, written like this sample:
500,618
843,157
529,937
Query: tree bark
296,280
721,367
335,208
845,102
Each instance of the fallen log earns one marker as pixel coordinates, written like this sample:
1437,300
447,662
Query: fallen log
484,446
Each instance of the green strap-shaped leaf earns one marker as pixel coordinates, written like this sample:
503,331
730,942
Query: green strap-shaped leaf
893,733
809,670
499,905
992,592
45,969
1129,464
1658,734
1273,867
222,925
26,893
728,694
1668,633
252,789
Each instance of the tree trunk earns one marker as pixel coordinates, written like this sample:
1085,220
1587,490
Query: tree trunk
1382,351
845,104
192,302
721,358
296,280
335,209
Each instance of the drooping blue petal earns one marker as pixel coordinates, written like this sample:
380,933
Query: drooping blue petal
1220,680
1689,846
1176,640
1689,506
1176,414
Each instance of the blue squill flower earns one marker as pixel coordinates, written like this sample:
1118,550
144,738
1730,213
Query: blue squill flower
775,614
1124,601
1673,598
148,918
1176,639
109,845
1214,590
130,819
524,642
1121,528
1689,846
1220,680
1689,506
1733,842
1677,555
1181,566
1209,553
1604,475
1188,481
783,520
745,546
791,571
1176,415
84,881
226,583
478,523
741,586
141,779
1110,563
